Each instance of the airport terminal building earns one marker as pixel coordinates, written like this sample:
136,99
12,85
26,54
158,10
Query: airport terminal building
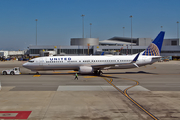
114,45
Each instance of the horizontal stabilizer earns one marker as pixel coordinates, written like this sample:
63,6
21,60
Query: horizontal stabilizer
135,65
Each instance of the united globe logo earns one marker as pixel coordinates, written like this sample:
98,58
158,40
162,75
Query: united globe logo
152,50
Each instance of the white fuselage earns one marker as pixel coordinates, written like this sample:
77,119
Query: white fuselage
96,62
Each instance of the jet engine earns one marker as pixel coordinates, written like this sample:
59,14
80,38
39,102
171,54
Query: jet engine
85,70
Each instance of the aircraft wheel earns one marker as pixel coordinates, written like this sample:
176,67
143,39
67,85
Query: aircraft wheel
96,72
100,73
12,73
4,73
37,73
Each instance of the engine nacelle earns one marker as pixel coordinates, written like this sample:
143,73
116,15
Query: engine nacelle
85,70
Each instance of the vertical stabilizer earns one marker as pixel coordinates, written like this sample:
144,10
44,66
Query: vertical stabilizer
154,49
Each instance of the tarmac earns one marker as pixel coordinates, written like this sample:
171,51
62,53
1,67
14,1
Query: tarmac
145,93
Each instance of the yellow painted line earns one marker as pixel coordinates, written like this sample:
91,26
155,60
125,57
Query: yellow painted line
137,83
125,94
107,75
141,107
110,82
71,71
36,75
90,76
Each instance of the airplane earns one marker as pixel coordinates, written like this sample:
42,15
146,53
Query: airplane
95,64
102,53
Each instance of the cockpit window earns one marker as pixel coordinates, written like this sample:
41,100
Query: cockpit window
31,61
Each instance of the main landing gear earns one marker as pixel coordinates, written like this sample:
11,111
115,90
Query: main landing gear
37,73
98,72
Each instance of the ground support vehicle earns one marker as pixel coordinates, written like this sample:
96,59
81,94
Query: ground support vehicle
14,71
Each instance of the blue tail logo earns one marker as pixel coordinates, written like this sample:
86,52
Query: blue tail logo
154,49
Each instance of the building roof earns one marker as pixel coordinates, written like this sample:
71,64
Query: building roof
119,41
114,42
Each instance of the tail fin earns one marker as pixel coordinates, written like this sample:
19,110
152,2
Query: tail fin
154,49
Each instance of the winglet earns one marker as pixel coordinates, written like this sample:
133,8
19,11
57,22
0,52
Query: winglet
135,59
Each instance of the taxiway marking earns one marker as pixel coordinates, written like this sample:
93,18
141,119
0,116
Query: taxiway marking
107,75
132,100
36,75
56,72
14,114
90,76
71,71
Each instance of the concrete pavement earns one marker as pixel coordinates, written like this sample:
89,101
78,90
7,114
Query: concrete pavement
58,96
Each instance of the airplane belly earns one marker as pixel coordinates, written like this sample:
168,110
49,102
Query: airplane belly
123,66
60,67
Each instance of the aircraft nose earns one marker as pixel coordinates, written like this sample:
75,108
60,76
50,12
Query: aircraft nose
25,65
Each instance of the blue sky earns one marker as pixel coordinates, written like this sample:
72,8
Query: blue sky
60,20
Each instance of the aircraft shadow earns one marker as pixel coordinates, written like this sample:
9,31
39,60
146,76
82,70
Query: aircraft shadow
73,74
48,74
139,72
103,75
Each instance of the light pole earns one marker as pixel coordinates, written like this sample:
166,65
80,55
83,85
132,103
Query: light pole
82,24
123,31
178,31
36,30
90,29
131,35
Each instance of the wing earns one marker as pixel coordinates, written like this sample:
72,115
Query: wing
107,66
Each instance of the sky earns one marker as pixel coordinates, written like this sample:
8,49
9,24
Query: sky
60,20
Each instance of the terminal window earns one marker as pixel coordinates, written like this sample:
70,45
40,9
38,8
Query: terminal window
173,42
